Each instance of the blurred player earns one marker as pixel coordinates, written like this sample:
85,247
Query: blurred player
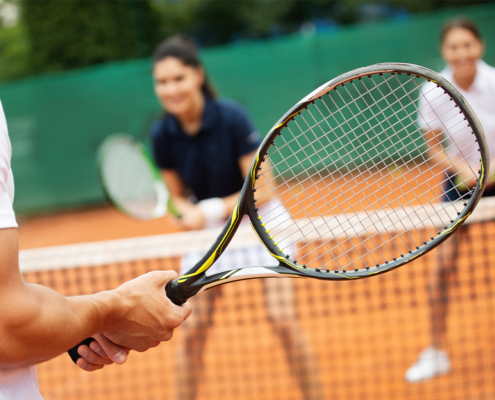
462,48
37,323
204,147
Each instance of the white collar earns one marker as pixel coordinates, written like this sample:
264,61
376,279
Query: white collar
479,80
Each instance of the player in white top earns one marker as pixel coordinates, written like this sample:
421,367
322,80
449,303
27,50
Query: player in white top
462,48
37,323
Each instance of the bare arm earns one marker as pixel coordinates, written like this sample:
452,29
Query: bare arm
37,323
435,140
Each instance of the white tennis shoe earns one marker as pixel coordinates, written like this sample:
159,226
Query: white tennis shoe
431,362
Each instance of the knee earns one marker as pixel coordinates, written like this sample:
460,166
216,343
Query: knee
282,322
195,325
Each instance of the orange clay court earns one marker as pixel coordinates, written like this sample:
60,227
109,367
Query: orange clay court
365,333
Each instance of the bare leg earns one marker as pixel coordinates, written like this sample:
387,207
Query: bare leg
280,302
438,288
190,350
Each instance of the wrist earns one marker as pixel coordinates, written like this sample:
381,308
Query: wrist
99,311
213,209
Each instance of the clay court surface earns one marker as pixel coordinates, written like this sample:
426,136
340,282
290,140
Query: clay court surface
365,333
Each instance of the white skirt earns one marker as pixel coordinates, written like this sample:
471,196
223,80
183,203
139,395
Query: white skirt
250,256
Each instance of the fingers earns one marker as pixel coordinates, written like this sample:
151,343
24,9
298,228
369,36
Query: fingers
100,352
92,357
103,345
83,364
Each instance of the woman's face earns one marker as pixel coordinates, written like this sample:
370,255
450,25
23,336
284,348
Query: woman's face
177,85
461,48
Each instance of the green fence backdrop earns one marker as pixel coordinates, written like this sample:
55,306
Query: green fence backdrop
57,121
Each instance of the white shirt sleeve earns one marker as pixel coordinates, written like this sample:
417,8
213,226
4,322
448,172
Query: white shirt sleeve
431,108
7,215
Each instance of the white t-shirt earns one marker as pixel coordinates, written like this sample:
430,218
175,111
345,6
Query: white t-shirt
18,383
437,111
7,216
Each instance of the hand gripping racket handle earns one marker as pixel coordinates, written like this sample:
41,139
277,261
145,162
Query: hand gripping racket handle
173,293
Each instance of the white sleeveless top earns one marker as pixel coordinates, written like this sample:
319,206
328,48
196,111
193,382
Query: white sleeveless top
437,112
18,383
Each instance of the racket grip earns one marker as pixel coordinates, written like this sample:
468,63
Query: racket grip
73,352
174,293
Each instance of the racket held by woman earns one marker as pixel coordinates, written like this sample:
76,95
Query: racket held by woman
131,180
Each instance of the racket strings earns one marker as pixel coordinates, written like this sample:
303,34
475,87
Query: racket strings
408,168
128,179
339,125
366,142
395,112
341,210
357,223
379,171
426,160
373,177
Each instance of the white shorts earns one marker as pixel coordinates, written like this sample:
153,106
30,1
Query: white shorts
251,256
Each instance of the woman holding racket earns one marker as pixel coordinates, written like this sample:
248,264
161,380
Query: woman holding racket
204,147
462,48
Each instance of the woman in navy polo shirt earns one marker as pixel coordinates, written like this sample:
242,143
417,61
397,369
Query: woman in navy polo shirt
204,147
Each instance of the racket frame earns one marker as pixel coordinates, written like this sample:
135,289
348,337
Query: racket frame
195,280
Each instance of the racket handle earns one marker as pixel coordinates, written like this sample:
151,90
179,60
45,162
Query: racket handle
73,352
174,293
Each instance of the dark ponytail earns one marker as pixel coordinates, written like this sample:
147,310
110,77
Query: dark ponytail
184,49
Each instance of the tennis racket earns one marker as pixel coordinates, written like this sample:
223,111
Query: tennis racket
358,169
131,180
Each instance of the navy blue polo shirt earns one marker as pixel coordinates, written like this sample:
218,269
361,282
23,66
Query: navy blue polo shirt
208,162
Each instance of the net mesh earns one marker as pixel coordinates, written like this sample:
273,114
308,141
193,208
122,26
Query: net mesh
344,165
363,335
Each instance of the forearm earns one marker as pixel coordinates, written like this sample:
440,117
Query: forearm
38,323
437,154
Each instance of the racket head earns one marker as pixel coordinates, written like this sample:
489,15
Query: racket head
130,179
360,176
360,183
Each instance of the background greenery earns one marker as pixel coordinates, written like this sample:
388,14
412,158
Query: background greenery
58,117
56,35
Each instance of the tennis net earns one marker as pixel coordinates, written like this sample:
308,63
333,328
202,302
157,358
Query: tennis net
364,334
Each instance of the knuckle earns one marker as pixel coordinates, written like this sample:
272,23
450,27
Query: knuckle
187,309
172,274
167,336
90,367
174,322
142,348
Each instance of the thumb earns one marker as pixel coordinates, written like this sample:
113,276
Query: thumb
164,277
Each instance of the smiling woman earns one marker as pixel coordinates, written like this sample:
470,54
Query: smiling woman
462,47
204,147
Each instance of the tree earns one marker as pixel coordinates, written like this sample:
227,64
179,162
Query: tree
76,33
